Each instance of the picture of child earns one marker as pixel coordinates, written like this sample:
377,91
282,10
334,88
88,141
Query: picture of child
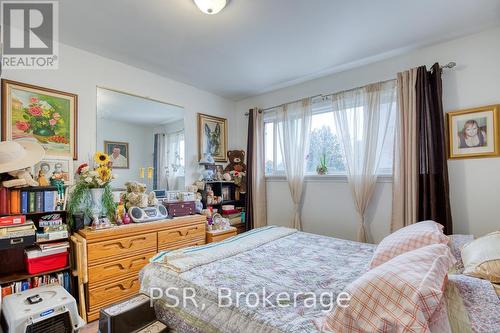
472,135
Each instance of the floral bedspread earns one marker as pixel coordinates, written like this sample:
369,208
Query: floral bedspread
315,266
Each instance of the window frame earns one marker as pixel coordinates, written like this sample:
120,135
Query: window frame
320,105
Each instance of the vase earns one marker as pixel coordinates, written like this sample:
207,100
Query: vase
44,131
96,195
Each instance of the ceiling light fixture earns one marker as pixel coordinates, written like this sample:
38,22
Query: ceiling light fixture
210,7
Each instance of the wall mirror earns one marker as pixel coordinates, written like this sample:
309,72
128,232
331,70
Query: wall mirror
144,139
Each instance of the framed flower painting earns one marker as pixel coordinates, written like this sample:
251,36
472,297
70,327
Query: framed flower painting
42,115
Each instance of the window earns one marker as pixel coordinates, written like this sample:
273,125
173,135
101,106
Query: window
324,142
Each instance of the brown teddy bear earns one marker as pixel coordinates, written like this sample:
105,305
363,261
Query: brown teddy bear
236,161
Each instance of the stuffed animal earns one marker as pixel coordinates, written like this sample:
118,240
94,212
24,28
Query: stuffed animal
136,195
236,161
152,201
22,178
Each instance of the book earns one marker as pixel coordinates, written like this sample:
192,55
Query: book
28,225
231,216
50,223
52,246
12,220
48,201
4,201
31,202
15,201
7,290
24,202
49,236
39,201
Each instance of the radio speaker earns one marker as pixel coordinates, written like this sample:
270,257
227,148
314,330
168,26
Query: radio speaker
136,213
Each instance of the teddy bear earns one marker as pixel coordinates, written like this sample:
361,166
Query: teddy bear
21,178
236,161
152,200
136,195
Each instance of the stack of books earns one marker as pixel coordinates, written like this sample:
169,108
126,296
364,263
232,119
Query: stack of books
21,201
37,281
233,215
51,227
17,230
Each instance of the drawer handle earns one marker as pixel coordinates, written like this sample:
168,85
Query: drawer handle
122,266
121,286
125,245
15,241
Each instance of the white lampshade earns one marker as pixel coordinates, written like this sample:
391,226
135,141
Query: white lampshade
210,7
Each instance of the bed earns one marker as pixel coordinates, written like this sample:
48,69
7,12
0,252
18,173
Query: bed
309,268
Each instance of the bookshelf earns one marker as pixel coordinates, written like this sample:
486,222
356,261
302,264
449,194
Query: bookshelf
228,191
13,270
18,276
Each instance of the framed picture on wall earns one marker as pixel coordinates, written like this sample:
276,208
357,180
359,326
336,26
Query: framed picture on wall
473,133
43,115
61,168
118,153
212,137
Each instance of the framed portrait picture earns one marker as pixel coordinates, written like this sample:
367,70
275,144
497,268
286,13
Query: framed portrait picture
474,133
42,115
212,137
118,153
48,167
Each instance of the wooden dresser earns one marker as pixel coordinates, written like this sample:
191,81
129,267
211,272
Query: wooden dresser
108,260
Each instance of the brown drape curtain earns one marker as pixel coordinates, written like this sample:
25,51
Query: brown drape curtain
256,205
249,214
433,185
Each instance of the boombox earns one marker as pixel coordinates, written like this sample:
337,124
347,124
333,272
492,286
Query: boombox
148,214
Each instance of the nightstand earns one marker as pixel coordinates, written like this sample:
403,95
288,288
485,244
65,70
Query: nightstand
219,235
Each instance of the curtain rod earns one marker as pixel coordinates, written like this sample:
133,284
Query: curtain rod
448,65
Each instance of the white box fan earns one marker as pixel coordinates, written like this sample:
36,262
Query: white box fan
39,310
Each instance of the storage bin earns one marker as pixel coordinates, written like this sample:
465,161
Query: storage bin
46,263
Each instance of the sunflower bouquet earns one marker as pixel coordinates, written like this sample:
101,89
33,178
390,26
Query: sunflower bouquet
90,180
100,175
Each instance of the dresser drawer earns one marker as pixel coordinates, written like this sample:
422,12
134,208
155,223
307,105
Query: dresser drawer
175,246
181,234
121,247
213,237
118,268
113,292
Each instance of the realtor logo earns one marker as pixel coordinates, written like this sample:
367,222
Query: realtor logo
29,34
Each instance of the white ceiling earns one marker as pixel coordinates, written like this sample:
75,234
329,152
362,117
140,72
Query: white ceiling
135,110
254,46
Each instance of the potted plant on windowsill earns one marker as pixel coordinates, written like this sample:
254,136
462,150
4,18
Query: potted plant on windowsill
322,168
92,193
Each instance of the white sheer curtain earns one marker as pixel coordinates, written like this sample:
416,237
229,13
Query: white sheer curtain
362,117
161,162
175,159
294,129
169,160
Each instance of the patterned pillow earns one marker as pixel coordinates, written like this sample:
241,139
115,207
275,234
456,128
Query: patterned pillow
407,239
456,243
481,257
400,295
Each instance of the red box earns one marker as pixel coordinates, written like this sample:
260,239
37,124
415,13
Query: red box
12,220
46,263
